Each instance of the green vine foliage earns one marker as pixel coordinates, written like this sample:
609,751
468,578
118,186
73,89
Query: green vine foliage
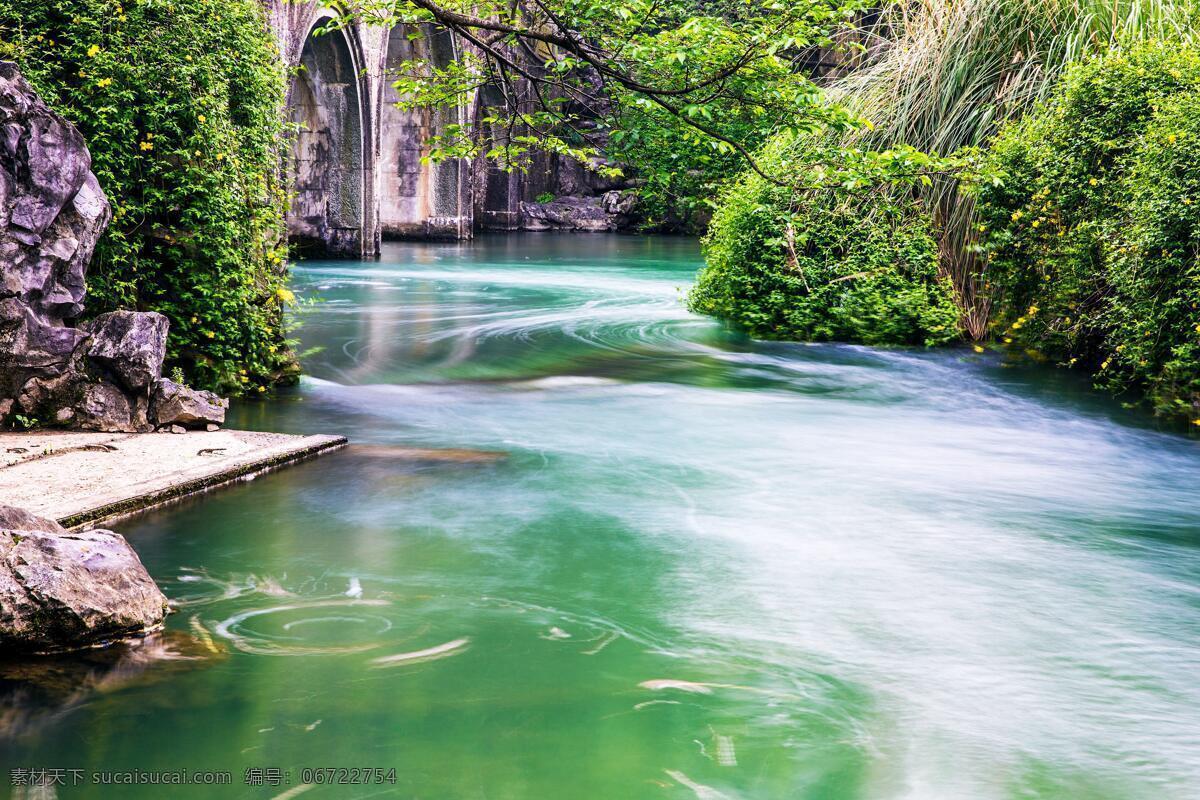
1091,225
824,264
179,102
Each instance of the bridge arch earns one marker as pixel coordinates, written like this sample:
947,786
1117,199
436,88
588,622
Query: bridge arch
416,198
330,167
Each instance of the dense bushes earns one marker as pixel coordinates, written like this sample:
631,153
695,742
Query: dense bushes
179,103
824,265
1092,227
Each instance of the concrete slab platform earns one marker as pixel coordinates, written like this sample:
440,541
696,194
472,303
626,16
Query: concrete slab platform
84,479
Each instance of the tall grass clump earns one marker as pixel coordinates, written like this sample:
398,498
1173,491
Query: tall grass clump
947,74
942,75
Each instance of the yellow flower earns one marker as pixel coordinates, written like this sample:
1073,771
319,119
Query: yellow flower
93,51
1008,340
1196,422
1171,138
1036,222
1093,182
104,82
1016,215
978,349
202,118
286,295
146,145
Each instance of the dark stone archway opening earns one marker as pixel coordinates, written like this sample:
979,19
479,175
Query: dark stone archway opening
325,170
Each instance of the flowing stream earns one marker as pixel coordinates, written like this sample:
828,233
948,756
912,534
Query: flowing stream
652,559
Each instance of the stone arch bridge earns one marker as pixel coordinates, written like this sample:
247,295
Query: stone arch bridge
355,167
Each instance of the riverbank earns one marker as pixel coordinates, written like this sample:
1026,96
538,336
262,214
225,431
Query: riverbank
84,479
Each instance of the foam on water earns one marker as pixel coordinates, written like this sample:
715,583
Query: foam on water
706,567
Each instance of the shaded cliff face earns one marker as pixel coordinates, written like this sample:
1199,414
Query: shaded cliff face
52,213
105,374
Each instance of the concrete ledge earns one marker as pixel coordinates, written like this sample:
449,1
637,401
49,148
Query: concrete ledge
83,479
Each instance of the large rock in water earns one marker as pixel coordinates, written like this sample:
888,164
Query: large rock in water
97,376
611,211
62,590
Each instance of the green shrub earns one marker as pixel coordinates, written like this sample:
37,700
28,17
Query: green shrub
824,265
1092,228
179,102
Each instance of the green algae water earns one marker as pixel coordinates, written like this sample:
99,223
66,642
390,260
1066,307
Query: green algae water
652,560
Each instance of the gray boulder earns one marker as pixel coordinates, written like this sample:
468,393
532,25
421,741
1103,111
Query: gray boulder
18,519
52,213
104,407
608,212
130,345
61,590
178,405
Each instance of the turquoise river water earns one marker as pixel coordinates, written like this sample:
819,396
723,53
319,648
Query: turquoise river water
655,560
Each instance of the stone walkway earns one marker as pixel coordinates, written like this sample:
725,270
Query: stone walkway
82,479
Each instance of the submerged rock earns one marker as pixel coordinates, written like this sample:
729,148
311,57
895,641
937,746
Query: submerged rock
191,408
61,590
36,692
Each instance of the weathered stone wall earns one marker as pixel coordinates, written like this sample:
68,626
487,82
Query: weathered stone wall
356,166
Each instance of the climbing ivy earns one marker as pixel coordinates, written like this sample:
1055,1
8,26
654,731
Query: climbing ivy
1091,224
179,102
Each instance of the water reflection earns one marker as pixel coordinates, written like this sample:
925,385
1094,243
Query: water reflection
588,544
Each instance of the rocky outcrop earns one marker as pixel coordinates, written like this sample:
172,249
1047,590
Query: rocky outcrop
63,590
179,405
611,211
101,375
129,346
